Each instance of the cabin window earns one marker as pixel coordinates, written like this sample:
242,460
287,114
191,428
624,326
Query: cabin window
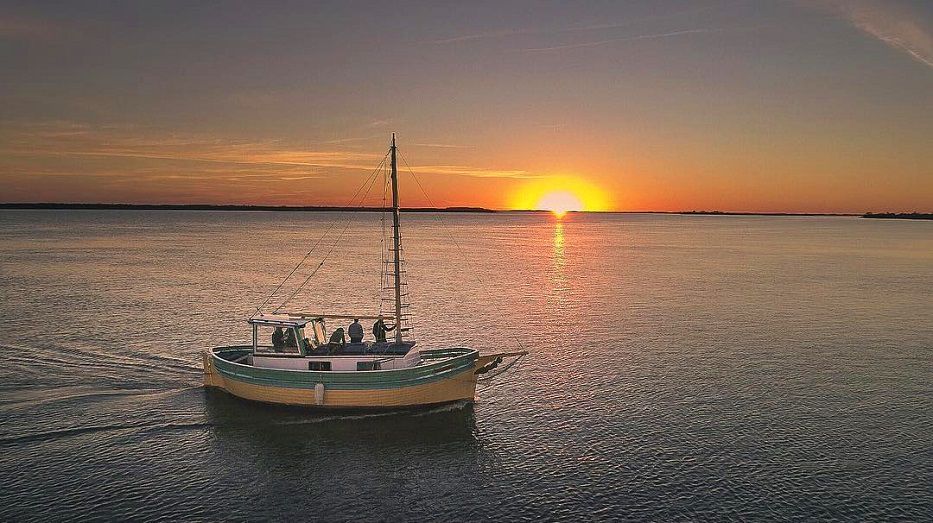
302,340
271,340
368,365
319,335
318,365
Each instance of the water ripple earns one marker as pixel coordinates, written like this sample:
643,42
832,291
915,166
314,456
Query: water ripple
682,368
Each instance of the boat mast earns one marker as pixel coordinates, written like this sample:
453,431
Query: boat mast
397,250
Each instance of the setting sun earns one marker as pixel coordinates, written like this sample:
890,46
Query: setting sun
560,194
560,203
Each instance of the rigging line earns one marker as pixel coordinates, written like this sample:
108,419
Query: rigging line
319,240
372,181
488,379
430,201
327,255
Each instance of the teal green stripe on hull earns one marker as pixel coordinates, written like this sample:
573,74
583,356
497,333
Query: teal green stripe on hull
350,380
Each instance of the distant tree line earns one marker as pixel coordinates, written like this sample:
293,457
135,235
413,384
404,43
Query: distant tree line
208,207
900,215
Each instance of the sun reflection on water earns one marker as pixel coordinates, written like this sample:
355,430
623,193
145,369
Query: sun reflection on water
559,279
559,244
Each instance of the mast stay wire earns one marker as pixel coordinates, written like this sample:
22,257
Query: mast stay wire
371,182
437,219
350,203
449,235
430,201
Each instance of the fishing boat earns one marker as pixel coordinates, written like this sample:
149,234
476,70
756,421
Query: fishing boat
304,364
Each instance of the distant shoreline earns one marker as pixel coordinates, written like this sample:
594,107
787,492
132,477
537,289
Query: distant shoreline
900,215
324,208
209,207
739,213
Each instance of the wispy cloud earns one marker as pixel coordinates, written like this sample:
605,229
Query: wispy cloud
896,24
485,35
574,29
146,156
378,123
355,139
125,151
78,139
442,145
597,43
461,170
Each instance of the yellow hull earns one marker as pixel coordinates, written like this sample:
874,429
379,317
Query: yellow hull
457,388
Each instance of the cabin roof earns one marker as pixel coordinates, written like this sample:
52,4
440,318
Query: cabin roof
281,321
300,319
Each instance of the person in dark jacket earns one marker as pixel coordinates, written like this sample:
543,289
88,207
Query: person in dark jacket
278,339
337,341
379,330
355,330
291,342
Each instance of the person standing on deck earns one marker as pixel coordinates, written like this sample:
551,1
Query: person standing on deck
380,329
355,330
337,341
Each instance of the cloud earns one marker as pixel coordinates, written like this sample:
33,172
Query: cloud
476,172
483,36
621,39
28,147
374,124
355,139
896,24
442,145
574,29
62,138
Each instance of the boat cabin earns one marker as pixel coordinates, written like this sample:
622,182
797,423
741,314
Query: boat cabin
302,343
286,336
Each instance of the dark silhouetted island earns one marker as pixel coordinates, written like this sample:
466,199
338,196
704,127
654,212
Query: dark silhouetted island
314,208
900,215
208,207
737,213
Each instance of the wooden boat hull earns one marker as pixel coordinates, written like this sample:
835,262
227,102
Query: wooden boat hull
449,378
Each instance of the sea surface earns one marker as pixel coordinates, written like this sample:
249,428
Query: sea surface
682,368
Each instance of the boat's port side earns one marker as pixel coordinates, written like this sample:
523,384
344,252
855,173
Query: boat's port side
332,363
442,376
236,353
436,365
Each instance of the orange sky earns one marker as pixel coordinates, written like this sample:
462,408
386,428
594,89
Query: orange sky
787,107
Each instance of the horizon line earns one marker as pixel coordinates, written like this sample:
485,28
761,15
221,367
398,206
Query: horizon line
338,208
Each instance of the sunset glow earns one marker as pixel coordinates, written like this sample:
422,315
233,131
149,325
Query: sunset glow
626,106
560,203
561,194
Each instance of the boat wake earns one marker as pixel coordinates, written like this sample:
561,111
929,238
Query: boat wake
31,397
53,366
136,428
450,407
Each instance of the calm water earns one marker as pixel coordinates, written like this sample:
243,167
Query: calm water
682,368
